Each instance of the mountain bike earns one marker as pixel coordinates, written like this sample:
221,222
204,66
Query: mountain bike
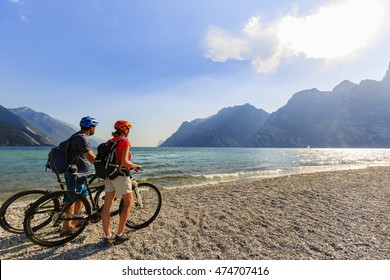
13,210
55,207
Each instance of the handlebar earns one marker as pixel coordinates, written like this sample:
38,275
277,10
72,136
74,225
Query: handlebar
139,171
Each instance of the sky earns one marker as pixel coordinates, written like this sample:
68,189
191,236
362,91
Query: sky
159,63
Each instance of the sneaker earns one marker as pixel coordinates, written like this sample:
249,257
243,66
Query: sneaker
108,240
122,238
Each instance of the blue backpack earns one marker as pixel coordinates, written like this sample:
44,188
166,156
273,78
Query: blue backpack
59,157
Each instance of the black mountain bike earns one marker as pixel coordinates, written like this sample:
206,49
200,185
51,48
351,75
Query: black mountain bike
43,220
13,210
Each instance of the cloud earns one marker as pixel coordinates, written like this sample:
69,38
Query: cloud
23,18
221,46
336,31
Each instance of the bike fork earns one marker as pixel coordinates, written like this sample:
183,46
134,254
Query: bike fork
137,194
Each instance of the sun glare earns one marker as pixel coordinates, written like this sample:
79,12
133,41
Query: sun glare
334,31
340,30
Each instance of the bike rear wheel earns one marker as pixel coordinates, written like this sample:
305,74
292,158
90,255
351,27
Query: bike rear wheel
145,207
52,207
99,202
13,210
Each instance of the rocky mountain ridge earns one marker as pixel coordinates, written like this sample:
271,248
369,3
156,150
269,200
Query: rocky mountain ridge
230,127
351,115
25,127
15,131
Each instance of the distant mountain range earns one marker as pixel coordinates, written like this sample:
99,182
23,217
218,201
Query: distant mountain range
25,127
230,127
56,130
16,131
351,115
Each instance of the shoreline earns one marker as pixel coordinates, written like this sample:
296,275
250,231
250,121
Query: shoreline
327,215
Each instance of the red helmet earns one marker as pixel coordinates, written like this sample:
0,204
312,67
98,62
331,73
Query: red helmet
122,125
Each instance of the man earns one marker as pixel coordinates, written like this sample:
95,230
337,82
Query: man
81,156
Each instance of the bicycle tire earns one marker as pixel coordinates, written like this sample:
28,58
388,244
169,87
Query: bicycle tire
99,202
141,217
47,206
13,210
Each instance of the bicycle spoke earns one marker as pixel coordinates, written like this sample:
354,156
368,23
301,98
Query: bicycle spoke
13,210
44,221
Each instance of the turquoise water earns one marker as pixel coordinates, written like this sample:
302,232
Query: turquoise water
23,167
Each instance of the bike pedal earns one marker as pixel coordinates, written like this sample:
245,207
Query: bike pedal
79,216
95,217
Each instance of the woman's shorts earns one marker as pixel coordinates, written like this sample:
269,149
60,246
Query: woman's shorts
120,185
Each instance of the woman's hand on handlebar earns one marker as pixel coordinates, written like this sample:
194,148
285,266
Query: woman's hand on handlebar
138,168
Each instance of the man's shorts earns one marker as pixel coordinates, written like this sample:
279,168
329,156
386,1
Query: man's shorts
120,185
76,184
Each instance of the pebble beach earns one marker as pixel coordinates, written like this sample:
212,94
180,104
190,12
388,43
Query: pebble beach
336,215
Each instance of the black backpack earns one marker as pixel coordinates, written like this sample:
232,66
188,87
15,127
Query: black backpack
106,165
59,159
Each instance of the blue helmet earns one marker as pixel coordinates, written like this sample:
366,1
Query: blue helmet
88,122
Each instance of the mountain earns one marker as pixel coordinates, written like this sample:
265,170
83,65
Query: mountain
230,127
15,131
46,125
351,115
55,130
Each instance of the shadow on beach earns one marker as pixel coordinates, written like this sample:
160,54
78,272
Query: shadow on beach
18,247
339,215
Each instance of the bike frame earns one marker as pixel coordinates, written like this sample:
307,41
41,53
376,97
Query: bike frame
90,190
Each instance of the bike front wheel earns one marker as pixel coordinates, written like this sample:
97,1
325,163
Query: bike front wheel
54,207
13,210
146,206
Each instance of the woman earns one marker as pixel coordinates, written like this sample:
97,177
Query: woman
120,185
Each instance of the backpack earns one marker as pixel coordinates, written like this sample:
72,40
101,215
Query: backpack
58,159
106,165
